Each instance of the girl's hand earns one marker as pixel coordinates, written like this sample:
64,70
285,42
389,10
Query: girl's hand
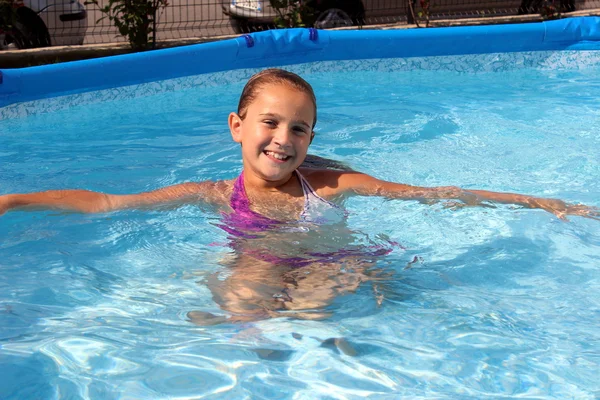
487,199
562,209
584,211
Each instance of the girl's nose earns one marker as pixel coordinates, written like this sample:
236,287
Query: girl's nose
282,136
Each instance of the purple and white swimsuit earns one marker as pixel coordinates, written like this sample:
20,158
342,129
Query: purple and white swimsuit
246,224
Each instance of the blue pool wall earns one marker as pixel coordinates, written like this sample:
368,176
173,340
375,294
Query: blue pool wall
292,46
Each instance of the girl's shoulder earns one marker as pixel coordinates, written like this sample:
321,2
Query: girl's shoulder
329,183
216,192
326,182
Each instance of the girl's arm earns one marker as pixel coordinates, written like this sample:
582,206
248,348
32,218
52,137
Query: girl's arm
336,182
93,202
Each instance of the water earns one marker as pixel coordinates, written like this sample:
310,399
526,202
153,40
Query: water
481,302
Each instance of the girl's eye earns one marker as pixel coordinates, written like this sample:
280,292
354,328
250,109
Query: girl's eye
270,123
300,131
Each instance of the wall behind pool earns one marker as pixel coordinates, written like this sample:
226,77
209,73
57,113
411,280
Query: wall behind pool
293,46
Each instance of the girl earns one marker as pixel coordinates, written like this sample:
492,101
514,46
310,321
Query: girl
274,124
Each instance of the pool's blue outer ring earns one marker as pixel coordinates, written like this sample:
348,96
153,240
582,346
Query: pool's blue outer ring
293,46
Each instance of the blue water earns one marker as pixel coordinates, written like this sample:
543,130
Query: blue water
482,302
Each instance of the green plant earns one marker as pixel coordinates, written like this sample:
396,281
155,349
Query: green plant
549,10
135,19
292,13
422,15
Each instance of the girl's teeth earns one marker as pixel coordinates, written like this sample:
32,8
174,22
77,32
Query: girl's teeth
277,156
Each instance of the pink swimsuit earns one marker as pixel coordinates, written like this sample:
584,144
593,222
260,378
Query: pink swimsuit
245,223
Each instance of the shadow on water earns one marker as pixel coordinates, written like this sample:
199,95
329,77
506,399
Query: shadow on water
38,371
409,128
436,127
496,263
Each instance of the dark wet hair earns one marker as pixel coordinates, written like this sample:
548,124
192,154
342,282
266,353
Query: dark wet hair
312,161
269,77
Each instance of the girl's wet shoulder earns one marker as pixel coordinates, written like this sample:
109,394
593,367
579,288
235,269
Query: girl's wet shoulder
218,192
324,181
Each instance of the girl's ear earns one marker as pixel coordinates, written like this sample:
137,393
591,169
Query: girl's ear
235,127
312,136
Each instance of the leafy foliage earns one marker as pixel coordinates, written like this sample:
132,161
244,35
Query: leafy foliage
292,13
135,19
549,10
422,15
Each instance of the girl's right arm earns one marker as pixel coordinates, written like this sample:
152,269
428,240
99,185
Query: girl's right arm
86,201
338,182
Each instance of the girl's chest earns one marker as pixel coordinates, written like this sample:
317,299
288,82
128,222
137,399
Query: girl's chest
280,207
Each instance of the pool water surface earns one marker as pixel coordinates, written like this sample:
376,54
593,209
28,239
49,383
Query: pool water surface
472,303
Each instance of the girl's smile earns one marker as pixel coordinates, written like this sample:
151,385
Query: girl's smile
276,157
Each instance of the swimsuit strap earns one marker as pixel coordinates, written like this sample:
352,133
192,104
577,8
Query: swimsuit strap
310,195
243,215
239,199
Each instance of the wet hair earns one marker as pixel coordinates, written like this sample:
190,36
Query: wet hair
316,162
269,77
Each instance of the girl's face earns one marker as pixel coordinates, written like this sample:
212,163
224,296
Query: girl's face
275,133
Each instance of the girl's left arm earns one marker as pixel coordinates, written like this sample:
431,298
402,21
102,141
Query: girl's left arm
365,185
